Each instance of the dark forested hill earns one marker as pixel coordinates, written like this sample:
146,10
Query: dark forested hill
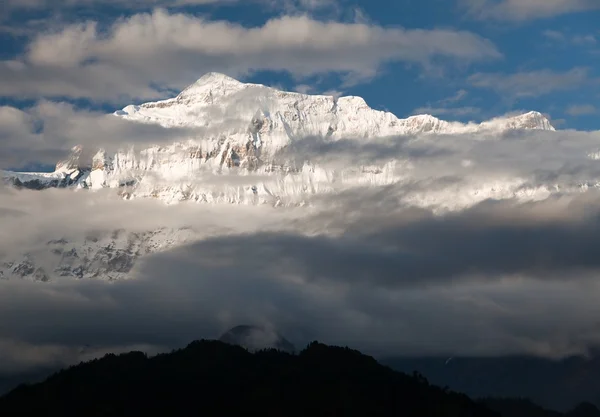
211,378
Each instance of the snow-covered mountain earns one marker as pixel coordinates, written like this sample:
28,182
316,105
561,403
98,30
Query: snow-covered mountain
242,129
247,145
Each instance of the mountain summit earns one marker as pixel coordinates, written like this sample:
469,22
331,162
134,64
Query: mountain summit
212,83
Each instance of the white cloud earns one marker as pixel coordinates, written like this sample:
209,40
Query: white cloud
575,39
459,96
304,88
451,111
172,50
554,35
531,83
46,132
56,4
581,110
443,106
521,10
585,40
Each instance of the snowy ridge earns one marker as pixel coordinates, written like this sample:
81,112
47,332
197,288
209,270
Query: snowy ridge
294,115
240,130
39,180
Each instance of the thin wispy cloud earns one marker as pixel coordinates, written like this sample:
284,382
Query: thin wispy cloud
449,111
532,83
571,39
581,109
448,107
523,10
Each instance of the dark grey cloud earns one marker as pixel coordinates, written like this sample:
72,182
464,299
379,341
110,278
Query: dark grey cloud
432,251
380,278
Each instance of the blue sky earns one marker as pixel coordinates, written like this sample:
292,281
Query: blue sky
459,60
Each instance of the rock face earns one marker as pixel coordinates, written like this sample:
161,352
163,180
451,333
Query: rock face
256,338
243,129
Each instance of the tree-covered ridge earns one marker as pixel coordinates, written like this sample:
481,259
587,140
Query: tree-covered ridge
211,378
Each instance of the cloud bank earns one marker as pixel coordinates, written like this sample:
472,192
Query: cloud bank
486,281
356,268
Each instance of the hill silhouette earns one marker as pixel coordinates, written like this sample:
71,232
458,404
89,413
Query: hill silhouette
212,378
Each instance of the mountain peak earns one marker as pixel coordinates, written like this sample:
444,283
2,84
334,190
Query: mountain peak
424,118
216,77
72,162
212,83
532,120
